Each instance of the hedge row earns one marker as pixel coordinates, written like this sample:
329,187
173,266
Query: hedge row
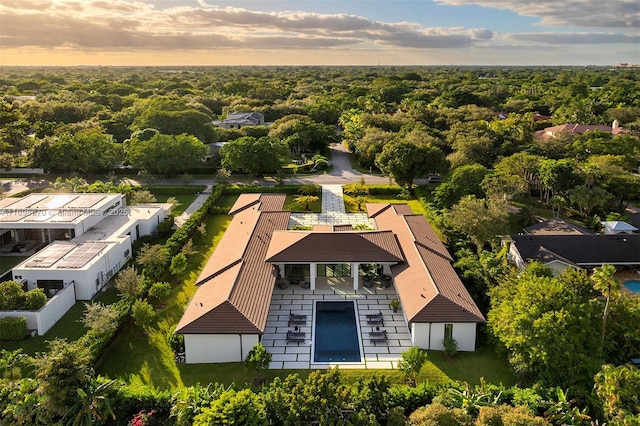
172,189
13,328
243,189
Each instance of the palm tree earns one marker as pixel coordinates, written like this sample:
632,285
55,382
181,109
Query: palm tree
319,161
605,283
306,200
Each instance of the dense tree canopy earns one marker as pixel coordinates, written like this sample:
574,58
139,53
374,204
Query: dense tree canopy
167,154
255,156
406,161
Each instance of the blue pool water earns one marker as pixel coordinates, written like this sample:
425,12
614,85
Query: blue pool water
633,285
336,333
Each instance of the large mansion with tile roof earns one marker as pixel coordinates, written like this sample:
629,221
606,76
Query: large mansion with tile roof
233,308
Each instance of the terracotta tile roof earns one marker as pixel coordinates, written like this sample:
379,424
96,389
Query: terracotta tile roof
342,228
236,285
244,201
262,202
334,247
427,285
577,129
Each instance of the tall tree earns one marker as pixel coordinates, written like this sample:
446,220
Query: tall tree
255,156
605,282
550,332
167,154
482,220
406,161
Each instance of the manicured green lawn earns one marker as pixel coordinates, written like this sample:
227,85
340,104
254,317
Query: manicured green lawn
184,200
8,262
352,207
149,358
314,207
69,327
472,366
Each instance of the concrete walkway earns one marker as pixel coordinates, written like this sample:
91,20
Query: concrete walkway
333,212
197,203
332,199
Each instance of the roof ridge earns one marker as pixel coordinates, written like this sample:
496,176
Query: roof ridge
426,247
218,272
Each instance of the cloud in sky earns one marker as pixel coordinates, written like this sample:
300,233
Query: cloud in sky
137,25
568,13
95,28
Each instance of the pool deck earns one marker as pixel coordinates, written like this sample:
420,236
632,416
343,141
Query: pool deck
300,301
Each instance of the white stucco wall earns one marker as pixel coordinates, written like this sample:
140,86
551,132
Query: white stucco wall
213,348
430,336
88,280
49,314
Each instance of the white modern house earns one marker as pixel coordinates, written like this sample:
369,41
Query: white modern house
229,312
78,240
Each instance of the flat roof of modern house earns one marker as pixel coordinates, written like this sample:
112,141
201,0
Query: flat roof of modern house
66,255
53,210
115,225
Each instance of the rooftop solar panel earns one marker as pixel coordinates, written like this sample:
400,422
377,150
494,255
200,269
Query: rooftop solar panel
46,257
28,201
66,216
85,202
54,201
82,255
15,216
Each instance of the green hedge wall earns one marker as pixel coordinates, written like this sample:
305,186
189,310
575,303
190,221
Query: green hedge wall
13,328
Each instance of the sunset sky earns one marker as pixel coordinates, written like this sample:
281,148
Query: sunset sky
320,32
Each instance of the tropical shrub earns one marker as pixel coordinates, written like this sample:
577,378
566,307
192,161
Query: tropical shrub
13,328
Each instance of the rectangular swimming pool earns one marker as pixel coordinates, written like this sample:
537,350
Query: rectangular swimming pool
336,333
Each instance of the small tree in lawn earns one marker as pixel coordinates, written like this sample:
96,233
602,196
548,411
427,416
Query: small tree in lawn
159,291
128,283
100,318
258,360
411,363
188,250
202,229
178,264
143,314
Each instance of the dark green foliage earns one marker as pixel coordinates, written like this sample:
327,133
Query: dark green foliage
437,414
176,341
167,154
34,299
60,373
243,408
464,180
13,328
11,296
258,360
164,227
254,156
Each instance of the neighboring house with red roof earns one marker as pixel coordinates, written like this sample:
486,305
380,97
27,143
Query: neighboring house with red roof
579,129
228,313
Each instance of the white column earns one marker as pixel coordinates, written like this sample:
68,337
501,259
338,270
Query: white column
313,270
355,271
